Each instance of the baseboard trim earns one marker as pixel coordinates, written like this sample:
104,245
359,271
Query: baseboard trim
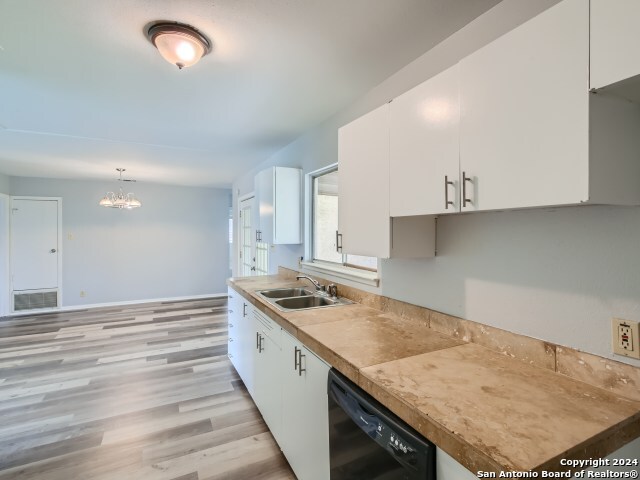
90,306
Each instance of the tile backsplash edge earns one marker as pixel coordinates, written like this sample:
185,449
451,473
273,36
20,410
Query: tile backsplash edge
601,372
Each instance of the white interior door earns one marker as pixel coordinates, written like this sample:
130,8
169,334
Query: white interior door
34,244
247,238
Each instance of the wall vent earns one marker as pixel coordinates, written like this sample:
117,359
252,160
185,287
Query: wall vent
34,300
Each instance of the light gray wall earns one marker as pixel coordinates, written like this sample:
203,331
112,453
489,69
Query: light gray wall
555,274
319,146
4,184
176,245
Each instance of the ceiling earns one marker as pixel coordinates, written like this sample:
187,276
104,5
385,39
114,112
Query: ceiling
82,91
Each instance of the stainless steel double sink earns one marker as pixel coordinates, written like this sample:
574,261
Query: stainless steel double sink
290,299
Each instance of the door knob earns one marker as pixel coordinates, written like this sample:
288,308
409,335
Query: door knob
53,250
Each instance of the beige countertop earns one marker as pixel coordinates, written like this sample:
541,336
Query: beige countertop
488,411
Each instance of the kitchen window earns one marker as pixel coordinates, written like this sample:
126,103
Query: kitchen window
322,208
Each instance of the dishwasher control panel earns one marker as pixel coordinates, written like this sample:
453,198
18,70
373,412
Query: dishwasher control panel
393,442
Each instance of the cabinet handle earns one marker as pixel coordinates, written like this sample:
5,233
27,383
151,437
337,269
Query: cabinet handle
300,369
465,179
244,309
338,242
257,232
260,347
447,202
297,357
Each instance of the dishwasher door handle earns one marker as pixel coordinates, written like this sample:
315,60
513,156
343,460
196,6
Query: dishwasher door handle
367,421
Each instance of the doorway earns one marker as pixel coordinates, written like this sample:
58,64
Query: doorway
247,257
253,255
35,253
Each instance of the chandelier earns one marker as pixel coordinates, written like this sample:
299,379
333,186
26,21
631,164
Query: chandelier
120,200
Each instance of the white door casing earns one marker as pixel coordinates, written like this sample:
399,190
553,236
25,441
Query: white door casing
5,271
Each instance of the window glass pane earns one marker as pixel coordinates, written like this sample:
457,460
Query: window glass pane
262,258
325,217
325,224
245,241
369,263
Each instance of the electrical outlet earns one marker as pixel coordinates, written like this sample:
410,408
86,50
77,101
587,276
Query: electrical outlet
625,338
83,293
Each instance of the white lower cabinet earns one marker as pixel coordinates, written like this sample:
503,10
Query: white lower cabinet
267,390
232,326
288,384
447,468
305,411
241,331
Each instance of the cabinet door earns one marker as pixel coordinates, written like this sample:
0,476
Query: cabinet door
524,114
363,172
247,342
305,421
424,146
316,459
264,185
293,430
278,192
614,41
287,202
233,313
268,380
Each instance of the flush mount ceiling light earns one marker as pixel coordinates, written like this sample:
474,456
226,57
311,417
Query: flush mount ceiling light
120,200
178,43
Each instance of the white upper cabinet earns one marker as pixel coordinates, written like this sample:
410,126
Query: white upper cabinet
524,128
363,172
278,196
615,37
513,125
424,176
364,222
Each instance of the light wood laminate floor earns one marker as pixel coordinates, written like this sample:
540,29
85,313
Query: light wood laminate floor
144,392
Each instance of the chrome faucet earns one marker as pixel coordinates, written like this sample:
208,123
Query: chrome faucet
319,287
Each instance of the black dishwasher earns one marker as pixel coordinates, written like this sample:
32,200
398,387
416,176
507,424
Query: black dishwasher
368,442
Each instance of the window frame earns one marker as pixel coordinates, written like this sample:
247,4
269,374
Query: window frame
341,270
